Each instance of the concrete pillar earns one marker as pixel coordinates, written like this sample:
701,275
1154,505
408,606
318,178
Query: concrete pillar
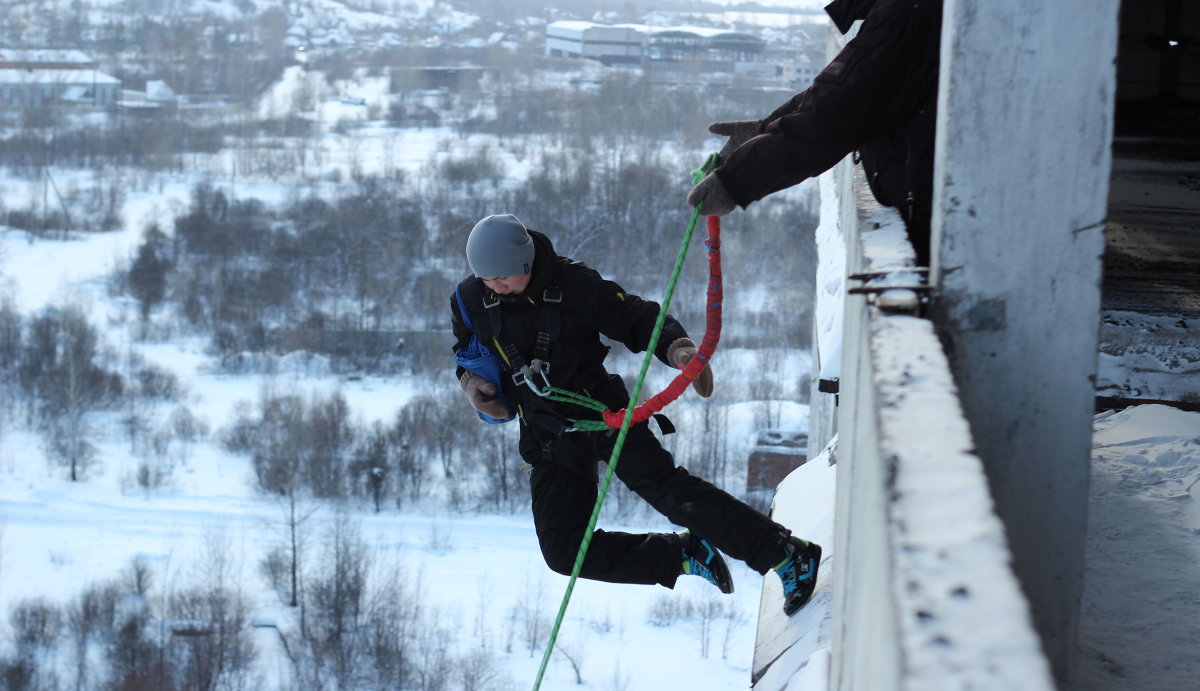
1023,158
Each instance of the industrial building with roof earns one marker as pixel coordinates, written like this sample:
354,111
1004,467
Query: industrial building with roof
637,43
49,77
701,50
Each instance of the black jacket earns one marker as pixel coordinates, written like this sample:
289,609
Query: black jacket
877,96
591,306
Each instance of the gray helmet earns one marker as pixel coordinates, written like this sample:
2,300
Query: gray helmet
500,245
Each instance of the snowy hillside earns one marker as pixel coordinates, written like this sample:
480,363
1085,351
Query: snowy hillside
479,577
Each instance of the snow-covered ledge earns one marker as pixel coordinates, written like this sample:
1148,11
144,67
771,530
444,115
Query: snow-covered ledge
923,593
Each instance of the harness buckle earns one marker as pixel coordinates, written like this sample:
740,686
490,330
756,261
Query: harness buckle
525,376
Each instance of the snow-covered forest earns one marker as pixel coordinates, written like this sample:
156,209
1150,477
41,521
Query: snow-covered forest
232,451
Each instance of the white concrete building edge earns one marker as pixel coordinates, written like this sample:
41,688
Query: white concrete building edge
1023,158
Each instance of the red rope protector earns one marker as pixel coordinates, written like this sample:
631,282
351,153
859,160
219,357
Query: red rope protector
712,334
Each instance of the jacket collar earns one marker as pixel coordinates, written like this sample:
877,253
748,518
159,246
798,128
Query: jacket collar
845,12
545,265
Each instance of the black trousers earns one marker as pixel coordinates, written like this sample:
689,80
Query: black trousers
564,493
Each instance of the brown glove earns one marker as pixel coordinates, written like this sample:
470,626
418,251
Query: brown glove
712,194
482,395
738,132
679,353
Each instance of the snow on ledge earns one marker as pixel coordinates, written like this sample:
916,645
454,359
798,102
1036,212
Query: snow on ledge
962,618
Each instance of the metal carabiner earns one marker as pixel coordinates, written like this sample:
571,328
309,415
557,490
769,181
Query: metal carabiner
526,373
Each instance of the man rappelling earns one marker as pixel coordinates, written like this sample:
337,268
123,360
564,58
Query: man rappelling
537,317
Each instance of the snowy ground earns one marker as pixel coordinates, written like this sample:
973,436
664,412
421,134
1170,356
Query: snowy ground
475,571
1141,601
57,537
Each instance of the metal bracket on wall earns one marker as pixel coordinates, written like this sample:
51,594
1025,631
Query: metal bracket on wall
895,298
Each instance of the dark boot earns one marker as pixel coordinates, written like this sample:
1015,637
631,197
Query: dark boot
702,559
798,572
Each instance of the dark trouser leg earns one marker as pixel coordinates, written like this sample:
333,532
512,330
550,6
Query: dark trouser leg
562,506
709,512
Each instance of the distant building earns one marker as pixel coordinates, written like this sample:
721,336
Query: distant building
47,77
711,50
776,453
607,44
157,96
45,59
716,49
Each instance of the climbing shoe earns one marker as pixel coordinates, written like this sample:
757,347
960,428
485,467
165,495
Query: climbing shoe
798,571
702,559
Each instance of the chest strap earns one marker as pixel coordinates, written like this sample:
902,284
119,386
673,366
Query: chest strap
548,331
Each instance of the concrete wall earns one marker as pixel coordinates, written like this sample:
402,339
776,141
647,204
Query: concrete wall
1024,133
923,598
828,299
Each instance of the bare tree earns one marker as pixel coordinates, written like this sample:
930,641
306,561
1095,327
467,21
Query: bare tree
86,619
711,612
531,613
59,370
767,390
148,274
573,652
395,619
36,624
495,449
70,444
10,351
371,464
329,437
187,429
296,513
443,415
335,606
477,669
210,646
409,459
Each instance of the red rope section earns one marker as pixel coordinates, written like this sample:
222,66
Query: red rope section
712,334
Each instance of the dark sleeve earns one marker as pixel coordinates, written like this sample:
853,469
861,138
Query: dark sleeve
843,109
628,319
462,335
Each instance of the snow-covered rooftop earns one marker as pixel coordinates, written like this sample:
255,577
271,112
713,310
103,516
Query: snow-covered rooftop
44,55
85,77
696,31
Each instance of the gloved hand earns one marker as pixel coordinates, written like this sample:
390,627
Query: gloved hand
713,195
482,395
679,353
738,132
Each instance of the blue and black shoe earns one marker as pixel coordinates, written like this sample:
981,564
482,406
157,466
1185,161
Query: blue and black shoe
702,559
798,571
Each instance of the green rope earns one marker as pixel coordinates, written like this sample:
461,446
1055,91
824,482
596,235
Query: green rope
709,164
564,396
